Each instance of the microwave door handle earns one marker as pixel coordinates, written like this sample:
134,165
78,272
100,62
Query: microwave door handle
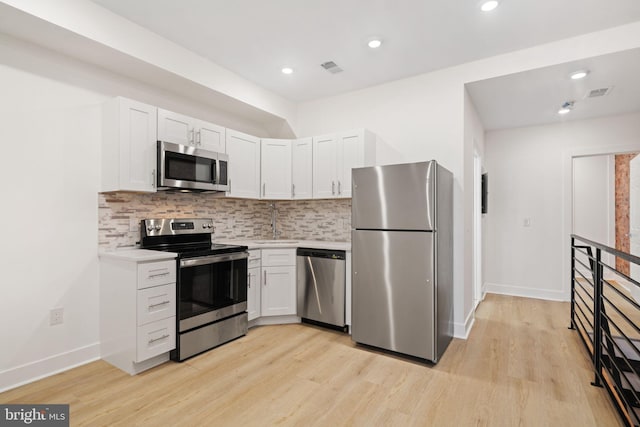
215,173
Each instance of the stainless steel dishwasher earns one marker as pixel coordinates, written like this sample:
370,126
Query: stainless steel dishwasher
321,287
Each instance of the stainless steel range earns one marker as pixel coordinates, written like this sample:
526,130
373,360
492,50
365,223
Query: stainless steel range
211,283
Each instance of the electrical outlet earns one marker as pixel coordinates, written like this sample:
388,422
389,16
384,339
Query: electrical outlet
56,316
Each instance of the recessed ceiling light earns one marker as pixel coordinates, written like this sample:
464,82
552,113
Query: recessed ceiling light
287,70
577,75
564,111
374,44
488,6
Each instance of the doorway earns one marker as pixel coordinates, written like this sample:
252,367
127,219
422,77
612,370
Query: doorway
478,293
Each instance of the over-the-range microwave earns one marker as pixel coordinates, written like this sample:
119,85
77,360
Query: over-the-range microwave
187,168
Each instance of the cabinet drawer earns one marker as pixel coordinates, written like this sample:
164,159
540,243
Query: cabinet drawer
278,257
156,273
156,303
254,258
156,338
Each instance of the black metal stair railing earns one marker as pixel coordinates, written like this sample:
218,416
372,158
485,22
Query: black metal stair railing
606,316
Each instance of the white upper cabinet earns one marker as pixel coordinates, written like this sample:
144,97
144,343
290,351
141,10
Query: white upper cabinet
211,137
244,165
185,130
324,166
128,153
333,158
276,168
302,169
355,149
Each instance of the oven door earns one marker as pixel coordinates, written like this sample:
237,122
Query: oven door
211,288
181,166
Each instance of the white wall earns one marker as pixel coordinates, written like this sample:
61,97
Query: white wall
96,33
594,202
530,176
50,133
474,144
422,117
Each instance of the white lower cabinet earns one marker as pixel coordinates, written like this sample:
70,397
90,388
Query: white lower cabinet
272,285
137,311
278,291
253,285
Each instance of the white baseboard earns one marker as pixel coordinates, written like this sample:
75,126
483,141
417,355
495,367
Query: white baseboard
33,371
462,330
519,291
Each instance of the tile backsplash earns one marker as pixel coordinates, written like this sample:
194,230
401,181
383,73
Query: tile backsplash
120,214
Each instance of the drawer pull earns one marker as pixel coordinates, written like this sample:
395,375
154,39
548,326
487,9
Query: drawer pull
166,273
158,304
159,339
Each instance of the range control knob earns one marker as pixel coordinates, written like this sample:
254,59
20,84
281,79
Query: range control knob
209,225
149,227
204,225
158,227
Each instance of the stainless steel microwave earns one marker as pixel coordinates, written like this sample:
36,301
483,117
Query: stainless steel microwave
191,169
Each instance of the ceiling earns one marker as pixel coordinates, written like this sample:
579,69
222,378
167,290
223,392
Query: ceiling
534,97
257,38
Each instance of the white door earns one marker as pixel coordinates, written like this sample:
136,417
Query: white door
253,293
302,168
244,165
324,167
634,214
278,291
350,155
276,168
138,146
176,128
210,137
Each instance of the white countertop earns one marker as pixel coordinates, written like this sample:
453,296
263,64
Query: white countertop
288,243
138,255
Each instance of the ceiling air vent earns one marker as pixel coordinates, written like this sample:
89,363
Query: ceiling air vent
596,93
331,67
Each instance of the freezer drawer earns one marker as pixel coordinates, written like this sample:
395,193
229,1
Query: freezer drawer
321,286
393,291
395,197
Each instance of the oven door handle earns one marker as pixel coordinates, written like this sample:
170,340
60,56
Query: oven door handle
213,259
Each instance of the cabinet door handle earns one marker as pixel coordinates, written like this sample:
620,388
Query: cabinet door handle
264,189
159,304
229,185
339,189
191,136
333,187
249,280
264,275
158,339
293,190
153,178
198,138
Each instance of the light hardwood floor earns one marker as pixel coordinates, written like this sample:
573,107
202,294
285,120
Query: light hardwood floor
521,366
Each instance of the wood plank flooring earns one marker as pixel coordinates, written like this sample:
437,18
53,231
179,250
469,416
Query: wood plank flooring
521,366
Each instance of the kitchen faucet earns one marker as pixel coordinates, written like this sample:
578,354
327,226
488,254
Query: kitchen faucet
274,215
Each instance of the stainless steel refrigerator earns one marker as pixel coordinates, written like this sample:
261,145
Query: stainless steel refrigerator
402,249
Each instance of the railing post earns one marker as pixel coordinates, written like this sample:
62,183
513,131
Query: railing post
597,314
573,284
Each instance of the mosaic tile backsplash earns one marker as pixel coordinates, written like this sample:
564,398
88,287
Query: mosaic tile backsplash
120,214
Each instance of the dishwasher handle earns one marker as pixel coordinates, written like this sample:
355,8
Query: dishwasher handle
322,253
